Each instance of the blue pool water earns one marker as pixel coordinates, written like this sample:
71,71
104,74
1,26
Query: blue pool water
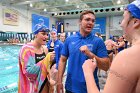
9,68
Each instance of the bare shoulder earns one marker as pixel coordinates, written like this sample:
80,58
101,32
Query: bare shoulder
129,58
124,72
127,61
45,49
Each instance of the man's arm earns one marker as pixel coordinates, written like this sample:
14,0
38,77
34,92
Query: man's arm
61,70
102,63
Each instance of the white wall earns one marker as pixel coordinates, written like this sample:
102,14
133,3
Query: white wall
115,28
72,26
25,20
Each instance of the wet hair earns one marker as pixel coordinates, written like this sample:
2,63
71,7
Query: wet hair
86,12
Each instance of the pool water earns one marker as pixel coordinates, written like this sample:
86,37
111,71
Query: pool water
9,68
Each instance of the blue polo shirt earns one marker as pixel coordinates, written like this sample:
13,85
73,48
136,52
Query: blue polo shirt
57,48
75,81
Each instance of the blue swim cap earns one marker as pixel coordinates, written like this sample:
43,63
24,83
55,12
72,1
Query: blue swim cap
39,28
54,30
110,37
134,9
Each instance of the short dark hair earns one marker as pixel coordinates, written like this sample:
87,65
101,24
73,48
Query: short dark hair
86,12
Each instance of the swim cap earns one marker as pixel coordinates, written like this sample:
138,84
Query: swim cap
134,9
54,30
39,28
110,37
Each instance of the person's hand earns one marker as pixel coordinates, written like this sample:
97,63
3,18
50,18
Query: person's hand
53,75
85,49
52,54
89,66
59,88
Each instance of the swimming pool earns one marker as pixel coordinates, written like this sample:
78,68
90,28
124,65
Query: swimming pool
9,68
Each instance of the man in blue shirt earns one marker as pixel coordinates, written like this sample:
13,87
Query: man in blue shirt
78,48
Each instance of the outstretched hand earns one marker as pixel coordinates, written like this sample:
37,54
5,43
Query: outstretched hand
89,66
53,75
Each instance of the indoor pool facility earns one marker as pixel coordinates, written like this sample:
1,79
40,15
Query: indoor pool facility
9,68
76,31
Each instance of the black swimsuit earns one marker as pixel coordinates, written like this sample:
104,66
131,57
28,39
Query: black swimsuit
39,57
51,49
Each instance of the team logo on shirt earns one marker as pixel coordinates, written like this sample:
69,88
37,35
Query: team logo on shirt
57,45
90,46
72,43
